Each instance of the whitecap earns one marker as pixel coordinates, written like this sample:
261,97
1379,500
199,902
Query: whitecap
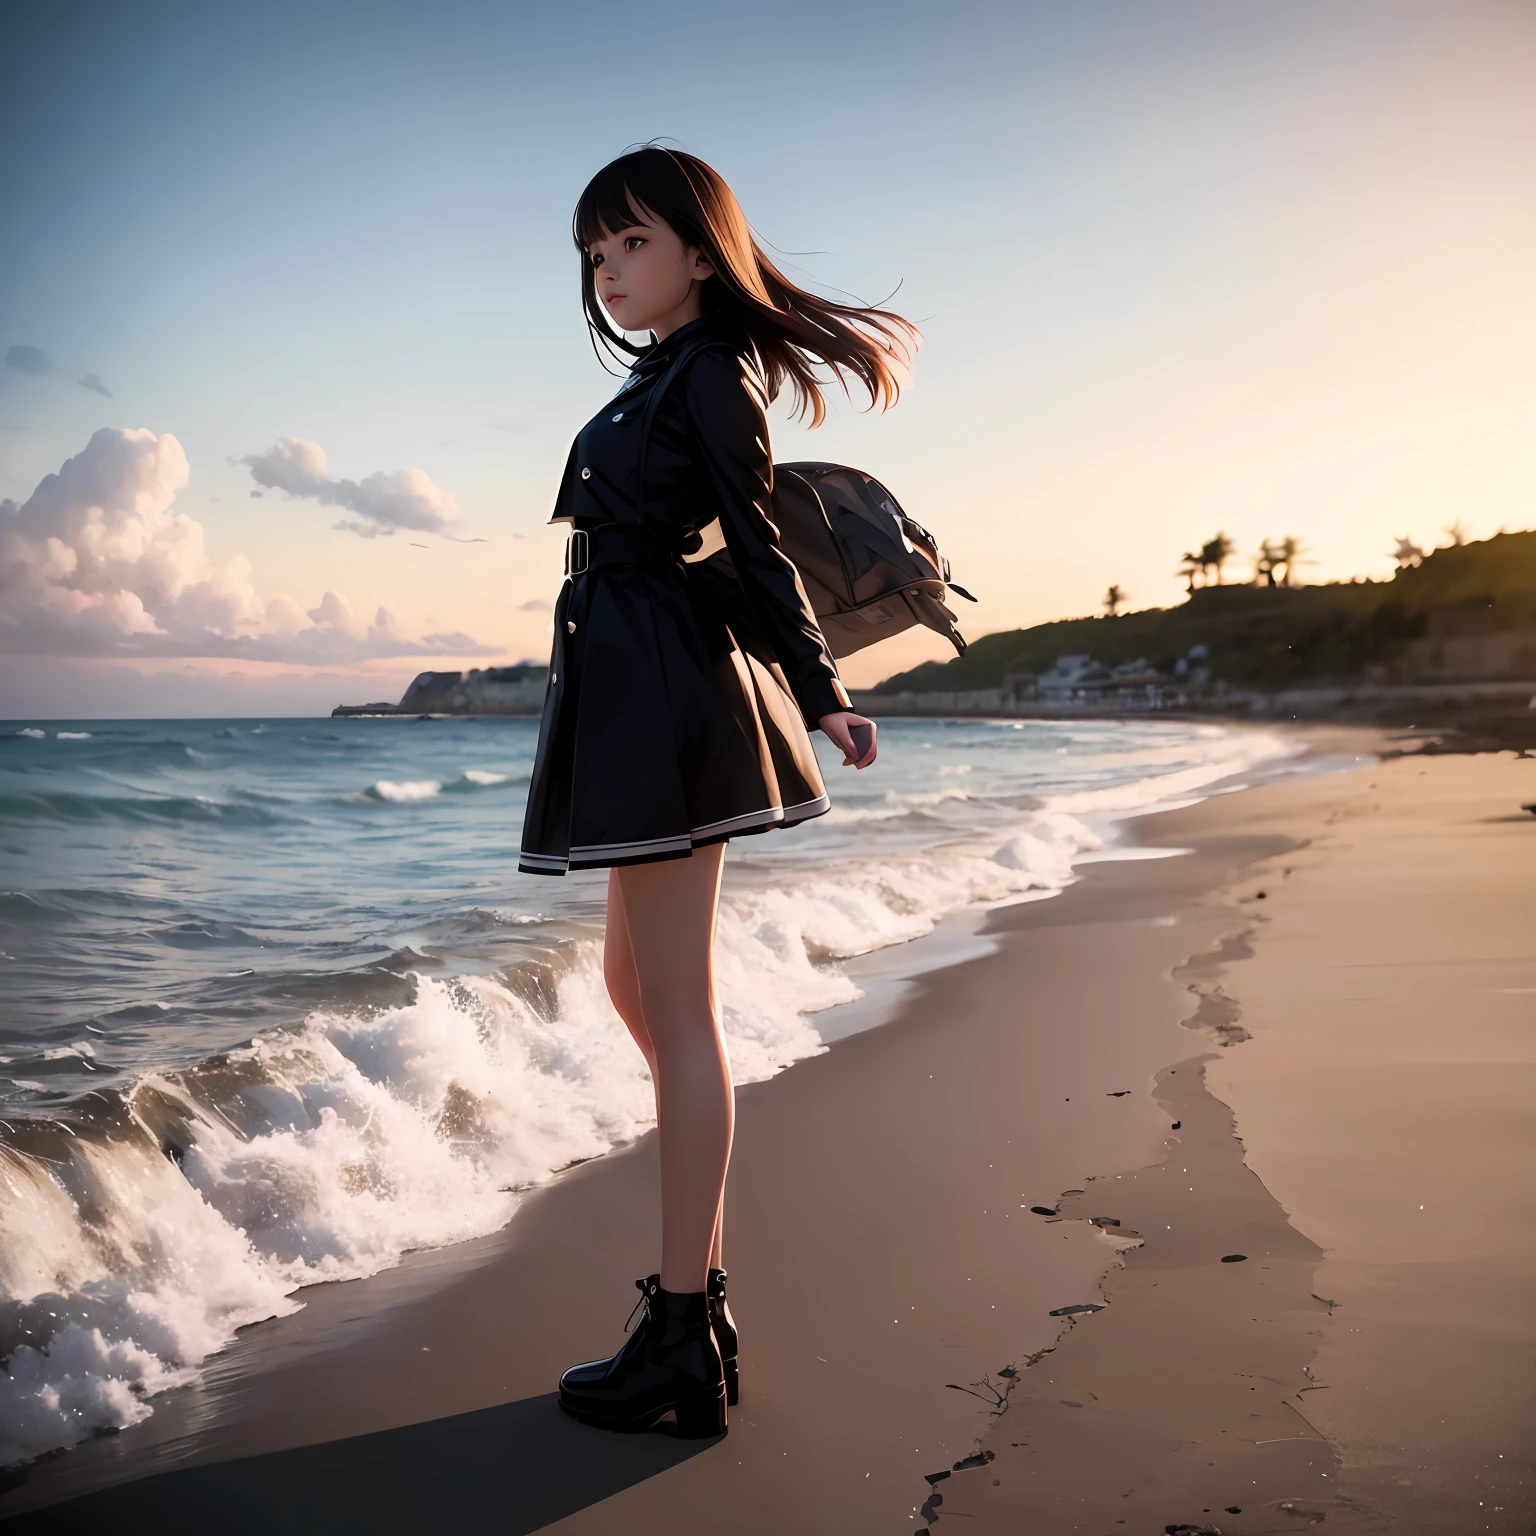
473,779
403,791
339,1145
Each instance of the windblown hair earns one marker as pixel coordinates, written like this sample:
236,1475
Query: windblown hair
785,329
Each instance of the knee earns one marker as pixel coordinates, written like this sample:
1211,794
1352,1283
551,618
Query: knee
627,1006
624,995
686,1019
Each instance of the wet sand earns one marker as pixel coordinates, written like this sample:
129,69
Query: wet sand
895,1291
1367,1366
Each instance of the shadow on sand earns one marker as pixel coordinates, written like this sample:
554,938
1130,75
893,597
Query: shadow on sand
512,1469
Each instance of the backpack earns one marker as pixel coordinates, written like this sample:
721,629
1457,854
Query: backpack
868,569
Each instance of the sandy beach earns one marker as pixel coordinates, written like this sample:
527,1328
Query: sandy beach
1271,1095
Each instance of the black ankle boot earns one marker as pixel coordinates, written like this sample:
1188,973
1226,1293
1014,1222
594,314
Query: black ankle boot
581,1376
670,1363
724,1327
721,1323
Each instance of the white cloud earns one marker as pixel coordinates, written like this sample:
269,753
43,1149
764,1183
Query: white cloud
97,563
384,502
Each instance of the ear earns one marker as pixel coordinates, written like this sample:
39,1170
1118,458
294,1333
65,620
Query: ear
702,266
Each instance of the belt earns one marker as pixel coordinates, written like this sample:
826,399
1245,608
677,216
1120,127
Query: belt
603,545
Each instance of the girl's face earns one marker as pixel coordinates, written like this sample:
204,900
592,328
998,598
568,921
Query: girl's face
646,278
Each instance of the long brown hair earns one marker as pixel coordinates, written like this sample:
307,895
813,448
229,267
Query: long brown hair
787,329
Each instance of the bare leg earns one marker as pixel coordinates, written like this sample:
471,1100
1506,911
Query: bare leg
624,991
669,919
619,974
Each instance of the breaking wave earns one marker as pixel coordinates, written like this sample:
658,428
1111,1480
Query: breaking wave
141,1226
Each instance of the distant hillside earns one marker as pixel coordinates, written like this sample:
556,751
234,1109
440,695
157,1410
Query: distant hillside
1274,637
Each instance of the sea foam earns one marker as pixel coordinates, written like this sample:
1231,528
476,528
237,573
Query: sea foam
134,1244
403,792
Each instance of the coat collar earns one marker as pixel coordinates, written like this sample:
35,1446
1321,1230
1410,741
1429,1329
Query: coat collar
660,351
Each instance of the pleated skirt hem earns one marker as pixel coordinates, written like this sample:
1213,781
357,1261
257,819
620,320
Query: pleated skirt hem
657,849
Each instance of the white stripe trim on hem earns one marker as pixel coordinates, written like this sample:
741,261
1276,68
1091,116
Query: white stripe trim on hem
770,816
807,809
678,844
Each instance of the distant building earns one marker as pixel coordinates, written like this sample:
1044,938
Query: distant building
1086,682
1070,677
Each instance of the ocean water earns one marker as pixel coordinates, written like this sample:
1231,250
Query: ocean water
279,1008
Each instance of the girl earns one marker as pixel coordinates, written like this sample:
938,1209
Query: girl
662,737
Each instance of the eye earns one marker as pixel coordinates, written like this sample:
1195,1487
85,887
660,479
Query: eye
634,242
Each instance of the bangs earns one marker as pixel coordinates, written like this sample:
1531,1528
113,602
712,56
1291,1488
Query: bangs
784,329
606,207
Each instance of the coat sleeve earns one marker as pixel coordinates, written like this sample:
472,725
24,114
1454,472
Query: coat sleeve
730,430
564,510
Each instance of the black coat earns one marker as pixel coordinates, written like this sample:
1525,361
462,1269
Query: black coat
660,734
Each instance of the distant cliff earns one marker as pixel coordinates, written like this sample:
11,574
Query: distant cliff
515,690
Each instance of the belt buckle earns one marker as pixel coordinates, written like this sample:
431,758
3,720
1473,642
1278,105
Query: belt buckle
577,546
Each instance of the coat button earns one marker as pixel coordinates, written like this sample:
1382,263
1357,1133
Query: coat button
586,474
570,626
554,677
618,416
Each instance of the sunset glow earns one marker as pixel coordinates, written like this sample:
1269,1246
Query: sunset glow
1180,270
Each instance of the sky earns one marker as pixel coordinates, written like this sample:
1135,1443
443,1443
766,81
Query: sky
289,308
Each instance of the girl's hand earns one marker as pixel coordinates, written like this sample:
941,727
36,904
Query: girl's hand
836,727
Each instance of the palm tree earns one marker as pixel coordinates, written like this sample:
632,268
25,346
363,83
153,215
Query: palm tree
1407,552
1189,566
1288,553
1277,555
1113,599
1214,554
1458,533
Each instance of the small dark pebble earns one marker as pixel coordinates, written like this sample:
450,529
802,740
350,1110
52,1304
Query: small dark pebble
1119,1093
1260,895
979,1459
1076,1307
1178,1124
1008,1371
1233,1258
1104,1221
1044,1210
1234,1509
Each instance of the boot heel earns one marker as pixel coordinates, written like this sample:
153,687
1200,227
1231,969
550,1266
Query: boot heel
701,1416
732,1383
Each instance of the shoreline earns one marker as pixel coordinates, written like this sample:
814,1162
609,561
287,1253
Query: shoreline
339,1318
899,1187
